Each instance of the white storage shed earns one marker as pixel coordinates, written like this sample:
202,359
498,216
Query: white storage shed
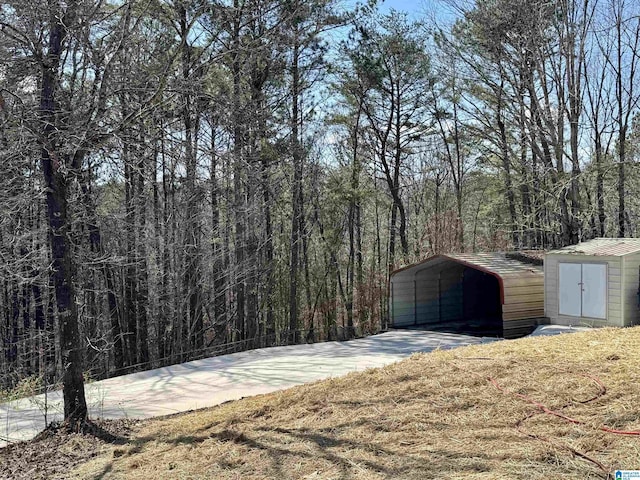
593,283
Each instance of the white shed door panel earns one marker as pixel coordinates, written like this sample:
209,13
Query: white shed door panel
594,290
570,289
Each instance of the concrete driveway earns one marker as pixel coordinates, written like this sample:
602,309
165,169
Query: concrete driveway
211,381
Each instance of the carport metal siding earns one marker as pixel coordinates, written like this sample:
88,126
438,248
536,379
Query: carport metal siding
521,287
523,297
433,292
451,292
402,303
427,296
521,284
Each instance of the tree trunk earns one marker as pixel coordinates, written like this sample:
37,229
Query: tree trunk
296,202
193,331
621,182
602,218
506,165
395,191
238,174
270,324
55,179
164,321
354,234
130,270
219,302
142,278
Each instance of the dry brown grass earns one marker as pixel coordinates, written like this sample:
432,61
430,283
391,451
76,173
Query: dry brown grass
431,416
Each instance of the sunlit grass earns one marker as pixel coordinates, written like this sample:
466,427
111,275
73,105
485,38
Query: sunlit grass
431,416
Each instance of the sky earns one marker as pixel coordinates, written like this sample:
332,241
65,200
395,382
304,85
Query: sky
419,9
409,6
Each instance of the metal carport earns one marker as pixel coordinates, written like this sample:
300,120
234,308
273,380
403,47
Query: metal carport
484,293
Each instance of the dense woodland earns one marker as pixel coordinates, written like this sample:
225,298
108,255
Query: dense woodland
182,178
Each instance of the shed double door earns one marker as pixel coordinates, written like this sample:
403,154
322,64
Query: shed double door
582,290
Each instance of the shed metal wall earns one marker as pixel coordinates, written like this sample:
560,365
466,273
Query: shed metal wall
614,290
630,281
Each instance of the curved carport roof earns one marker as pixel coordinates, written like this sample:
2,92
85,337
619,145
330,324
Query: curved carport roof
511,274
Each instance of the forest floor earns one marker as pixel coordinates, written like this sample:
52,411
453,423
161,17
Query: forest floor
535,408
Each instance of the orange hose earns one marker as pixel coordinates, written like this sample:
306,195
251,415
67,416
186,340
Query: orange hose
548,411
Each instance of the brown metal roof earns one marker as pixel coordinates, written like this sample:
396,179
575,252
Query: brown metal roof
534,257
603,247
509,272
496,263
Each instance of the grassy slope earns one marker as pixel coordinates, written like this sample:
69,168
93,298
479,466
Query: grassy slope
431,416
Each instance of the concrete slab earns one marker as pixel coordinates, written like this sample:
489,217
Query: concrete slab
548,330
211,381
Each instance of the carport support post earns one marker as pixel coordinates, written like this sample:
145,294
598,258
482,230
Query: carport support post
391,307
439,297
415,303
